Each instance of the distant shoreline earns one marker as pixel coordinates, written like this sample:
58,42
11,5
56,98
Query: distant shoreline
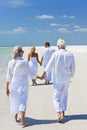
72,48
38,45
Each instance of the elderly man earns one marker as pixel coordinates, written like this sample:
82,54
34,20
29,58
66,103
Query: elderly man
63,64
46,55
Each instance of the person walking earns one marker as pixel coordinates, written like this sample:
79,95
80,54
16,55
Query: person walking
63,64
46,55
33,63
17,84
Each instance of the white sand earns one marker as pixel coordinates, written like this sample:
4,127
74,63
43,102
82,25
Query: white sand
40,110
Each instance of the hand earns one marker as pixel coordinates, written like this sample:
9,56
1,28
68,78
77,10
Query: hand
43,75
40,64
39,77
7,92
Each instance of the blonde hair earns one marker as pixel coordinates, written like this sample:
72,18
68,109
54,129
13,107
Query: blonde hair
16,51
32,51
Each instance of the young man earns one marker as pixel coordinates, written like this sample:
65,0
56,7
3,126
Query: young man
46,55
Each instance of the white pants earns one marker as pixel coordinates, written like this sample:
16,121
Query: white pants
48,76
60,96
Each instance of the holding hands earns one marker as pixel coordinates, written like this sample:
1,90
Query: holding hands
42,76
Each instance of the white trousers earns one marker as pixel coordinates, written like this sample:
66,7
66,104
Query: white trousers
60,96
48,76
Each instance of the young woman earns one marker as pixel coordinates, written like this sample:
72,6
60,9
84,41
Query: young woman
33,63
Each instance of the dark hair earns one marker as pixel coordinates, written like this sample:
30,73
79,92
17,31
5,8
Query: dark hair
47,44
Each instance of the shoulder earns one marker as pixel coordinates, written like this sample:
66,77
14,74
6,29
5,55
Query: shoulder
69,52
56,52
11,61
28,54
52,49
45,51
22,63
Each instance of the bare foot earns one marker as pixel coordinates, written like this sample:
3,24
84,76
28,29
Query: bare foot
24,124
59,117
62,114
34,84
15,118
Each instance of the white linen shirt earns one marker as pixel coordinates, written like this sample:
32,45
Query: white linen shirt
17,74
47,53
63,64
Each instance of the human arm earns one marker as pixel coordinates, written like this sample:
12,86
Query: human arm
72,67
38,59
8,78
7,89
28,57
41,60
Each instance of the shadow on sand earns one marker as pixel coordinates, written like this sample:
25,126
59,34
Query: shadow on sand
41,84
74,117
66,119
32,121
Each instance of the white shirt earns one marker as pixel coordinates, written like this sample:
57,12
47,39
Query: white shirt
63,65
17,74
47,53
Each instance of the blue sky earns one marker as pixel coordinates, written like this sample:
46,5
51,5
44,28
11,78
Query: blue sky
33,22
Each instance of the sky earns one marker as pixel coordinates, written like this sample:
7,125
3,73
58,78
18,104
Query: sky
33,22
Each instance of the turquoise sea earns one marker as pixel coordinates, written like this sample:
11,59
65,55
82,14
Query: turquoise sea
5,56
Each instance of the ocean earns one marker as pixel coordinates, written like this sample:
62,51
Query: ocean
5,56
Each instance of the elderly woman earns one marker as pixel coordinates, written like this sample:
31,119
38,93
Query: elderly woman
17,84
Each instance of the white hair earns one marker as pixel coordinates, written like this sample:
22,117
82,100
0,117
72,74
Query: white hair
61,43
16,51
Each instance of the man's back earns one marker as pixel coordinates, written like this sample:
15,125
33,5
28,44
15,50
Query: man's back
47,53
64,65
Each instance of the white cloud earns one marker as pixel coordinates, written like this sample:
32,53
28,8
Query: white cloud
63,30
19,29
53,24
76,26
14,31
15,3
45,16
62,25
69,17
80,29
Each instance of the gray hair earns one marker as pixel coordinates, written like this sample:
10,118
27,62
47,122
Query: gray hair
61,43
16,51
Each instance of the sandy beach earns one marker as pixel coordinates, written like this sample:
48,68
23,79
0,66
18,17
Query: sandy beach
40,113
